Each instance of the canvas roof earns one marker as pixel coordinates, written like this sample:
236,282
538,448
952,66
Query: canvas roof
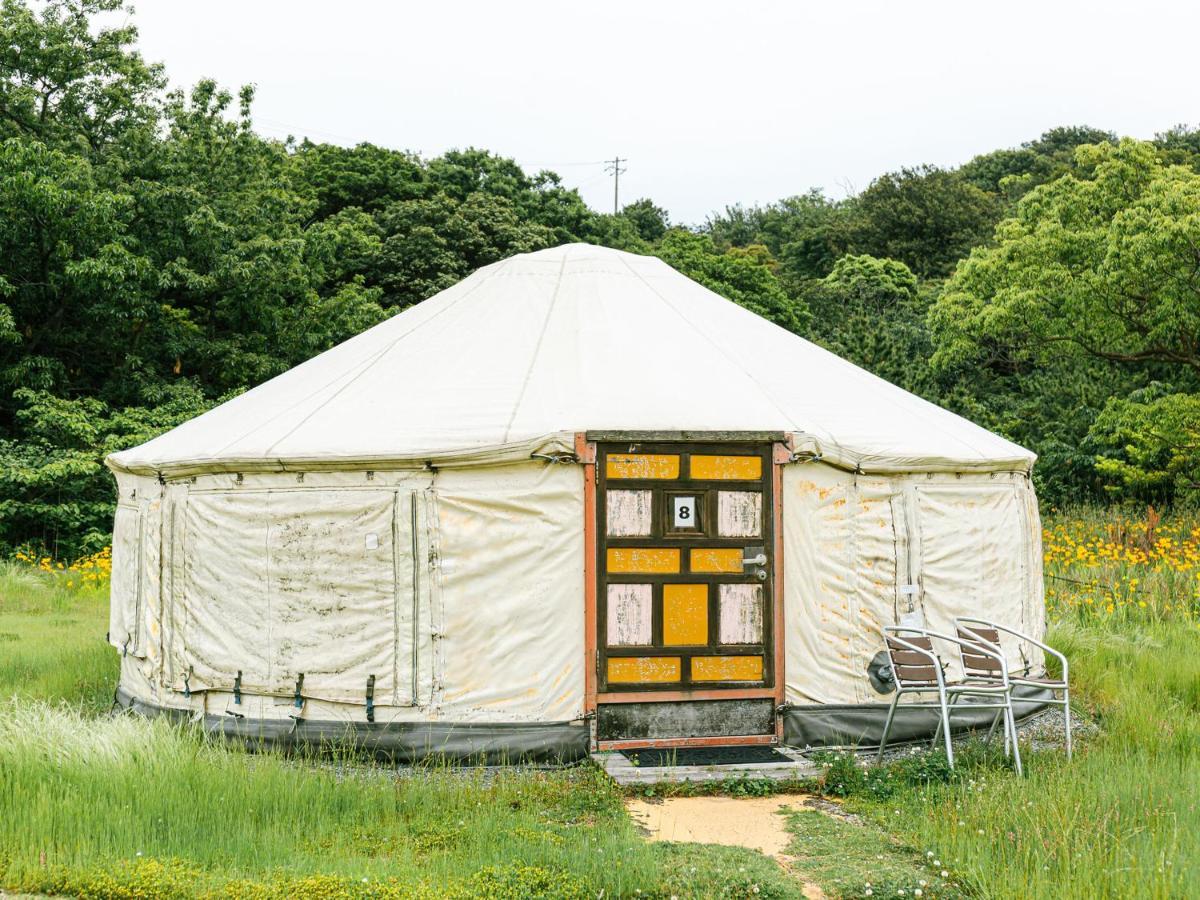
574,338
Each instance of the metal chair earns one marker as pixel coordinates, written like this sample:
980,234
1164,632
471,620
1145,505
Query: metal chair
917,669
987,634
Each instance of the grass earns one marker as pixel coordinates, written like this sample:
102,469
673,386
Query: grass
1123,819
117,807
52,644
850,859
120,807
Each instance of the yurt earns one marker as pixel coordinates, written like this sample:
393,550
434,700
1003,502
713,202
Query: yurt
575,502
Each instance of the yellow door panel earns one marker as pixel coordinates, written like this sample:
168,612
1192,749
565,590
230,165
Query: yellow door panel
643,669
643,560
726,468
727,668
710,560
642,465
685,614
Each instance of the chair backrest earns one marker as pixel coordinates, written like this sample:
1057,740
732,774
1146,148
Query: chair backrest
978,665
912,669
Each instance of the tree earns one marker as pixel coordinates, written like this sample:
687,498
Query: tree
55,492
872,312
806,233
1097,269
1103,264
70,84
744,275
926,217
1014,172
1150,444
649,221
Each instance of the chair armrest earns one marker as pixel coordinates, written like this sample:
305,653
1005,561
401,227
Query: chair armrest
986,650
968,621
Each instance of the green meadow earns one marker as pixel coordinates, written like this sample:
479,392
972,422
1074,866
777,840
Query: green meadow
113,806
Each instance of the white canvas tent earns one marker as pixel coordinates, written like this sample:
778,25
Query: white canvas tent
394,518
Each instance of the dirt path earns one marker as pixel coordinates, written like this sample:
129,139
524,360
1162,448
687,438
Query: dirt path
752,822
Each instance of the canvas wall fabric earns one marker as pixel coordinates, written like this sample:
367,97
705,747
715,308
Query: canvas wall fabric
525,352
274,578
475,615
862,551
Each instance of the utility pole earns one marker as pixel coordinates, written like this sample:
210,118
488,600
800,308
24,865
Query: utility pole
614,166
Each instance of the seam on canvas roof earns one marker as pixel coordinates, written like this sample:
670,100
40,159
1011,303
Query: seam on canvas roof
380,355
537,349
719,348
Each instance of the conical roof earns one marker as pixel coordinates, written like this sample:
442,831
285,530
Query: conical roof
573,338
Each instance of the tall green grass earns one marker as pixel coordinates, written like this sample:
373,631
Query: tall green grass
52,639
117,806
1121,820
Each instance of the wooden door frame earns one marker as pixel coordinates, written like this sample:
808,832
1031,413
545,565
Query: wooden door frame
586,452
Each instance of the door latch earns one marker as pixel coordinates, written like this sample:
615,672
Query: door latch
753,561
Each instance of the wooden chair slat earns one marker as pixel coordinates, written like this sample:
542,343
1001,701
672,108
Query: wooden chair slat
909,658
916,640
991,635
913,674
985,663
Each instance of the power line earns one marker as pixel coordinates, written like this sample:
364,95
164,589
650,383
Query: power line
614,166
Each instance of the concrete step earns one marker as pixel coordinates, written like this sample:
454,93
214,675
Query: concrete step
624,771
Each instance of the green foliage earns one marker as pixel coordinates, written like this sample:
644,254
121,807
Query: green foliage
54,490
872,312
1150,445
154,247
68,83
928,218
649,221
1014,172
806,233
744,275
1094,265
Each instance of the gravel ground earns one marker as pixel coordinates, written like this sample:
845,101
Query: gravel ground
1041,731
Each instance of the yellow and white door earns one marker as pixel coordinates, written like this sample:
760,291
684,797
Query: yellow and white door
685,601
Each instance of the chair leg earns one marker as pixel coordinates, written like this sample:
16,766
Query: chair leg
992,731
1067,719
945,710
887,728
937,734
1011,722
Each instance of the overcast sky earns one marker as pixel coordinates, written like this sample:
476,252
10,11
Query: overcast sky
712,103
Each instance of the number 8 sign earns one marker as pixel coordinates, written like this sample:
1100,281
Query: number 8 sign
684,511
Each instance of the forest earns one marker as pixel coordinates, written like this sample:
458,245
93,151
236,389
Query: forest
157,256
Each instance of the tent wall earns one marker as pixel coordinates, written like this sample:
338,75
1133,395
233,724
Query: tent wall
458,591
461,590
860,551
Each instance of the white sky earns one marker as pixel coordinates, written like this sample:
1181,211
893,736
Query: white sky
712,103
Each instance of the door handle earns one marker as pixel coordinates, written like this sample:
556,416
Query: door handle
760,560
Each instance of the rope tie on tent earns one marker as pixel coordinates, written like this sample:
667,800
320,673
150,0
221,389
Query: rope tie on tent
187,681
370,698
298,703
237,697
565,459
805,456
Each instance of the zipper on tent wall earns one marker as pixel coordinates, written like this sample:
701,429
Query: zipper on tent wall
908,554
416,599
396,598
436,613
